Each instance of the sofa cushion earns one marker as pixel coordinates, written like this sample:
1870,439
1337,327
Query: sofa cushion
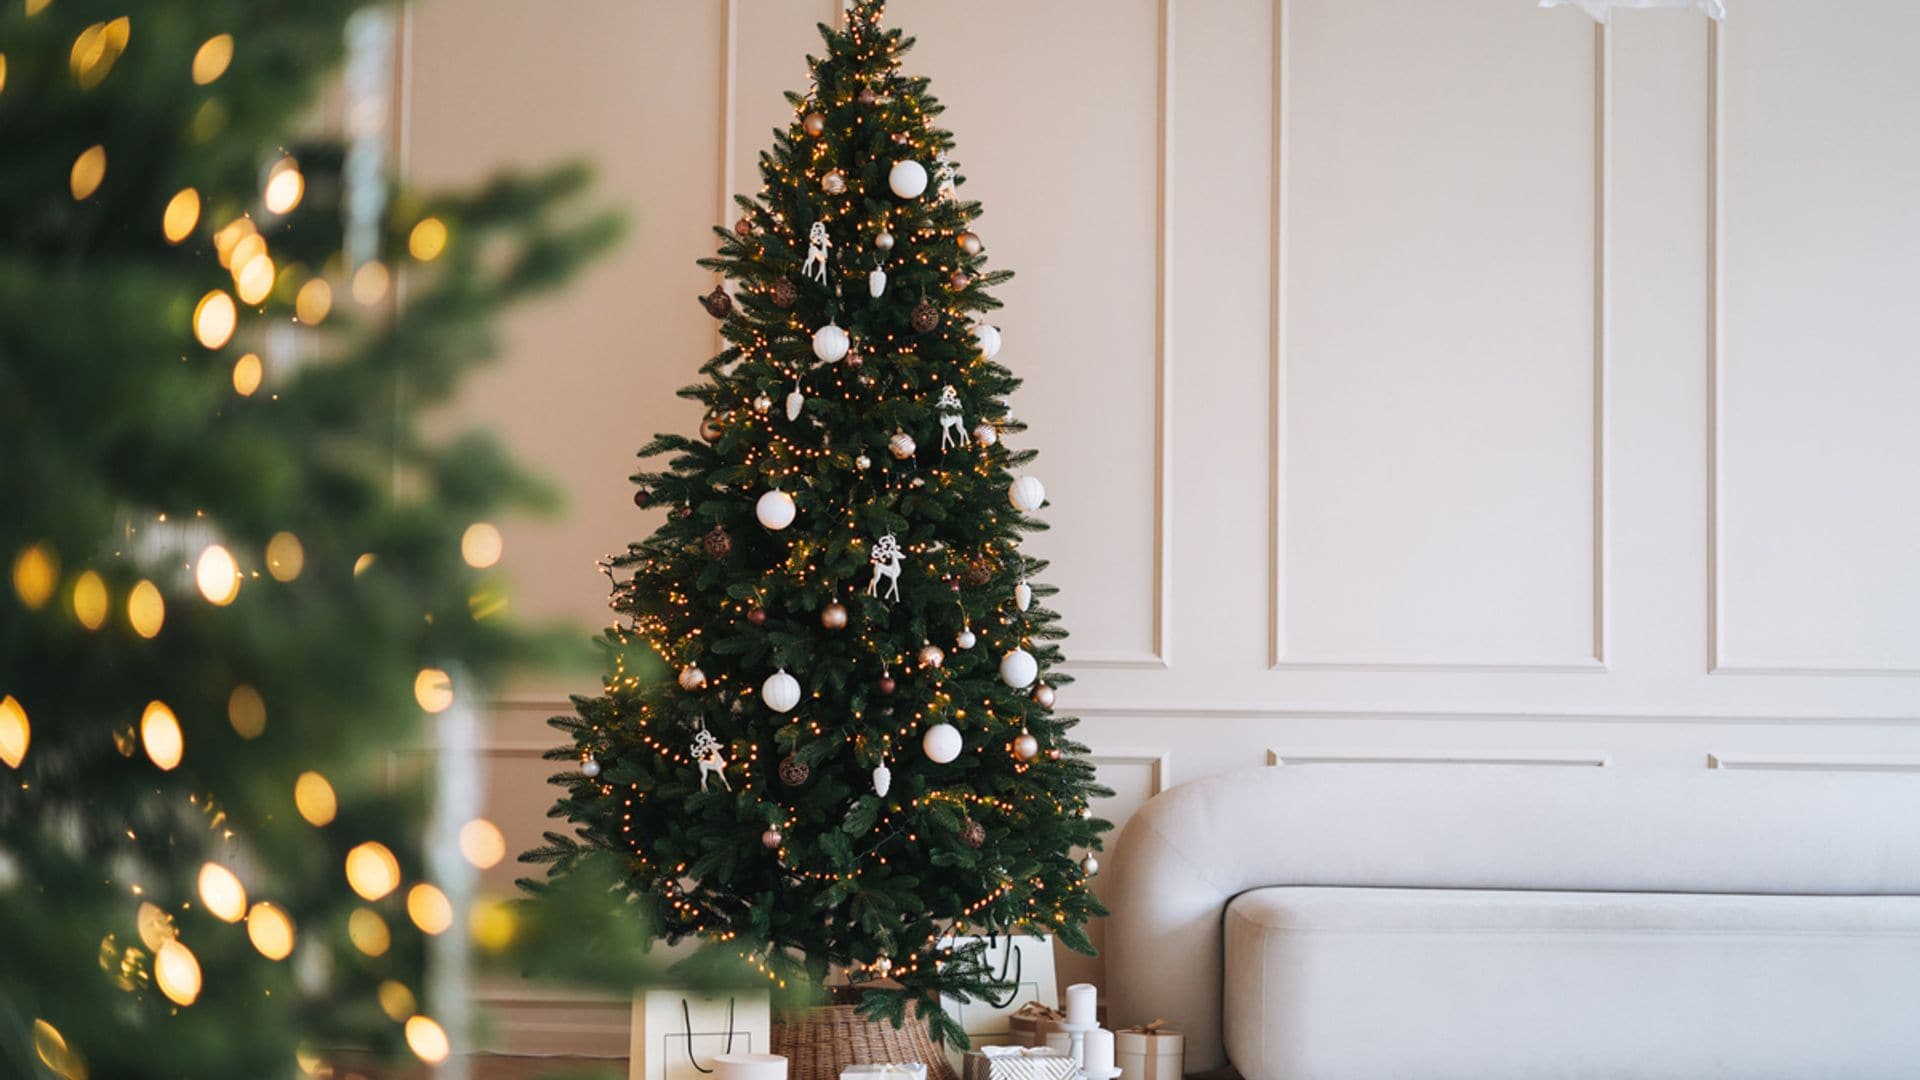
1409,983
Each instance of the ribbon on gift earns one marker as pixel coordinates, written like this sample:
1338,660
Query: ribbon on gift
1034,1010
1162,1040
1016,1051
1153,1028
886,1070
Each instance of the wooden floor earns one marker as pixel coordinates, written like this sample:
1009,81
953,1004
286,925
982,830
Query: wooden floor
499,1067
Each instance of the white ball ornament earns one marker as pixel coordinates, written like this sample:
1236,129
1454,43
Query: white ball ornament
1023,595
1018,669
1026,747
692,678
1026,494
830,343
908,179
942,743
987,337
781,691
964,640
775,510
589,768
884,241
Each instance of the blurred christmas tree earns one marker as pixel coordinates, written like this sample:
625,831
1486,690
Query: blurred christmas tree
240,576
828,739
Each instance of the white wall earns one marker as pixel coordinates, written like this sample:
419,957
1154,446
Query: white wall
1411,379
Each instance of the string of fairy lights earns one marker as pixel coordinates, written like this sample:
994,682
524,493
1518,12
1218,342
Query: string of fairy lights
666,616
160,957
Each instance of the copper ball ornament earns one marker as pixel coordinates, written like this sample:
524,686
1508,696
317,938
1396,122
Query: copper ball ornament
931,656
717,543
743,228
785,293
979,571
1043,696
886,684
814,124
834,616
771,839
959,280
972,833
834,183
970,243
718,303
757,616
1026,747
710,429
925,317
866,96
793,771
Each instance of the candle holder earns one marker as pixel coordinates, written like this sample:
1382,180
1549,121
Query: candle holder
1077,1038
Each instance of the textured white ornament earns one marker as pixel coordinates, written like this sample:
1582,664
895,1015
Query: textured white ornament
781,691
762,403
830,343
988,338
1018,669
876,283
692,678
775,510
1026,494
902,445
986,435
1023,595
964,639
908,179
882,780
942,743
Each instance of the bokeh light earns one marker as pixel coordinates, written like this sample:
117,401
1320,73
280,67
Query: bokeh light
285,185
370,283
214,319
429,908
246,374
160,735
427,1040
211,59
35,572
433,689
397,1001
146,609
369,932
313,796
89,169
428,239
181,215
222,893
176,972
482,843
217,575
90,600
372,870
254,280
313,301
285,556
247,711
481,545
16,733
270,931
60,1059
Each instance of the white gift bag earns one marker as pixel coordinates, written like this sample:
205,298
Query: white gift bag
678,1033
1025,961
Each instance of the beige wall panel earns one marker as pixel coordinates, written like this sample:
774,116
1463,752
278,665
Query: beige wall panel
1818,339
1439,343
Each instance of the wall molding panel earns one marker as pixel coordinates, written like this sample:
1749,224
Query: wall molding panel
1900,763
1284,653
1276,757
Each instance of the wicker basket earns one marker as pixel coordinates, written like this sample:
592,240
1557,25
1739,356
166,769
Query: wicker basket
818,1043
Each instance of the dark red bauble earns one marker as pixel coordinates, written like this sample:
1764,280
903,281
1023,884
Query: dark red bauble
886,684
794,772
757,616
717,543
924,317
642,497
718,303
972,833
785,293
743,228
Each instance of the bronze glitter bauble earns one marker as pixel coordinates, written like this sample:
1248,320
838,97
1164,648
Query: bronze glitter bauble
925,317
959,280
793,771
743,228
972,833
1043,696
717,543
814,124
785,293
834,183
718,303
834,616
979,572
710,428
757,616
970,243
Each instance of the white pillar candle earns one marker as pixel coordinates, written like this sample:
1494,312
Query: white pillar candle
1099,1051
1082,1008
767,1066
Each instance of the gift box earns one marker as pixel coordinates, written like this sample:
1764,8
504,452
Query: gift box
1018,1063
1150,1052
1030,1024
893,1070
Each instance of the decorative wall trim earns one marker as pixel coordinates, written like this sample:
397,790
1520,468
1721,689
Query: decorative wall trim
1718,662
1901,763
1277,657
1160,761
1436,757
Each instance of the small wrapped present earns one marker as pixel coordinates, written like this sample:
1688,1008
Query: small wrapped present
893,1070
1030,1024
1150,1052
1018,1063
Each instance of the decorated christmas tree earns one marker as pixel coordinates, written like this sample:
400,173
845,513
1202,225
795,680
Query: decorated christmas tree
827,742
242,584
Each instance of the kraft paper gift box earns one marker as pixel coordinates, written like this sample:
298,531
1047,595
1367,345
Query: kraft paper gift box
897,1070
1150,1052
1030,1024
1018,1063
678,1033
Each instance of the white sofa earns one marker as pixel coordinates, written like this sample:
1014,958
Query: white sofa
1411,921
